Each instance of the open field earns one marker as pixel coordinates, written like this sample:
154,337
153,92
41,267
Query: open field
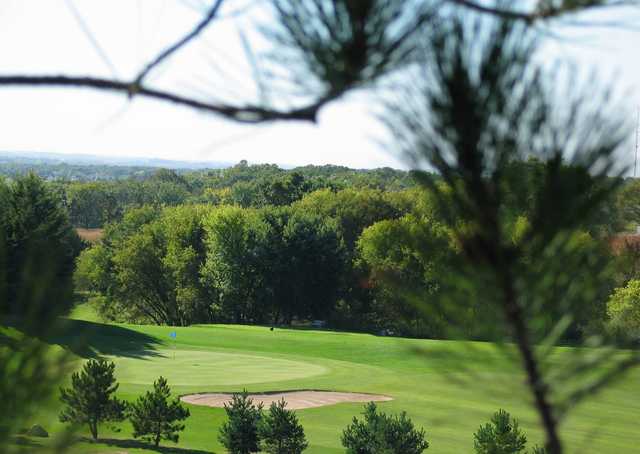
90,235
448,387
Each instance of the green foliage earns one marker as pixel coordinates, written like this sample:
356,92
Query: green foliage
314,257
116,190
354,209
482,104
623,309
628,205
501,436
285,190
379,433
231,239
93,269
90,398
37,240
239,433
340,45
37,248
154,417
146,268
280,432
91,205
405,259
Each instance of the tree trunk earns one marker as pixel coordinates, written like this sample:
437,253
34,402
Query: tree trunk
156,442
538,388
93,427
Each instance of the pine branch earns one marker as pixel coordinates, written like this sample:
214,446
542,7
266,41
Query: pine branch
179,44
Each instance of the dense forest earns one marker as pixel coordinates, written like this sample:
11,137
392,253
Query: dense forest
262,245
96,203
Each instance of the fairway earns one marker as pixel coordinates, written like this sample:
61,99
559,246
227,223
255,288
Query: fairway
448,387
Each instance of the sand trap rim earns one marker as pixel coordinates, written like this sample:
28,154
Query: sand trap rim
297,399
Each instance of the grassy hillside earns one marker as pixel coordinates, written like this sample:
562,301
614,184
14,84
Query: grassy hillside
448,387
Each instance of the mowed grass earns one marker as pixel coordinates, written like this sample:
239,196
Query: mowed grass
447,387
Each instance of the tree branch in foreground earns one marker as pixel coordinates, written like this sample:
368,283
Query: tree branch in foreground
182,42
543,12
243,114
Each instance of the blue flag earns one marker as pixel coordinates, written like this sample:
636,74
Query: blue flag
172,334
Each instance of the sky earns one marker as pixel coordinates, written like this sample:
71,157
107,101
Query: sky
116,38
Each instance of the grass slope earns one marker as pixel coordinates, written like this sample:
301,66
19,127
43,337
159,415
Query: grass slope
448,387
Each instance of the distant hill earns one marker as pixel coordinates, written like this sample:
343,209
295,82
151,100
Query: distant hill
135,161
85,167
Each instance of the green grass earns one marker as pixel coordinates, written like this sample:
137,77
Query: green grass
448,387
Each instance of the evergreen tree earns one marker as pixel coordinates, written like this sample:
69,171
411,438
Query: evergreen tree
154,417
379,433
501,436
280,431
239,434
38,240
90,399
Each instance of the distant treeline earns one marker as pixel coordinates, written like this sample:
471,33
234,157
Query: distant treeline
96,203
11,167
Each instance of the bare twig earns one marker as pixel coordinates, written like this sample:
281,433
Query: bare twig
92,39
182,42
243,114
541,14
505,13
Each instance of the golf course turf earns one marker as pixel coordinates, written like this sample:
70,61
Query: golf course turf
447,387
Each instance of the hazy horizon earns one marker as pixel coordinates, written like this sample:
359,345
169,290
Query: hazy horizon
53,39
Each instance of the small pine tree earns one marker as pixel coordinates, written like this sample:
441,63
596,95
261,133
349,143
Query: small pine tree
501,436
90,399
280,431
239,434
379,433
154,417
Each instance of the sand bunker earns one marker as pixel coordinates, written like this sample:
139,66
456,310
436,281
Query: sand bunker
296,400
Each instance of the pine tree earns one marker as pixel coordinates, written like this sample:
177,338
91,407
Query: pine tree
154,417
281,432
39,245
239,434
501,436
90,399
380,433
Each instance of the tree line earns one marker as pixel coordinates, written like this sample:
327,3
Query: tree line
93,204
358,258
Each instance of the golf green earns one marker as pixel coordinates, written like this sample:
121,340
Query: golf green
211,369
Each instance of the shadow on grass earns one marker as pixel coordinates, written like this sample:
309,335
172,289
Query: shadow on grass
136,444
91,339
24,441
